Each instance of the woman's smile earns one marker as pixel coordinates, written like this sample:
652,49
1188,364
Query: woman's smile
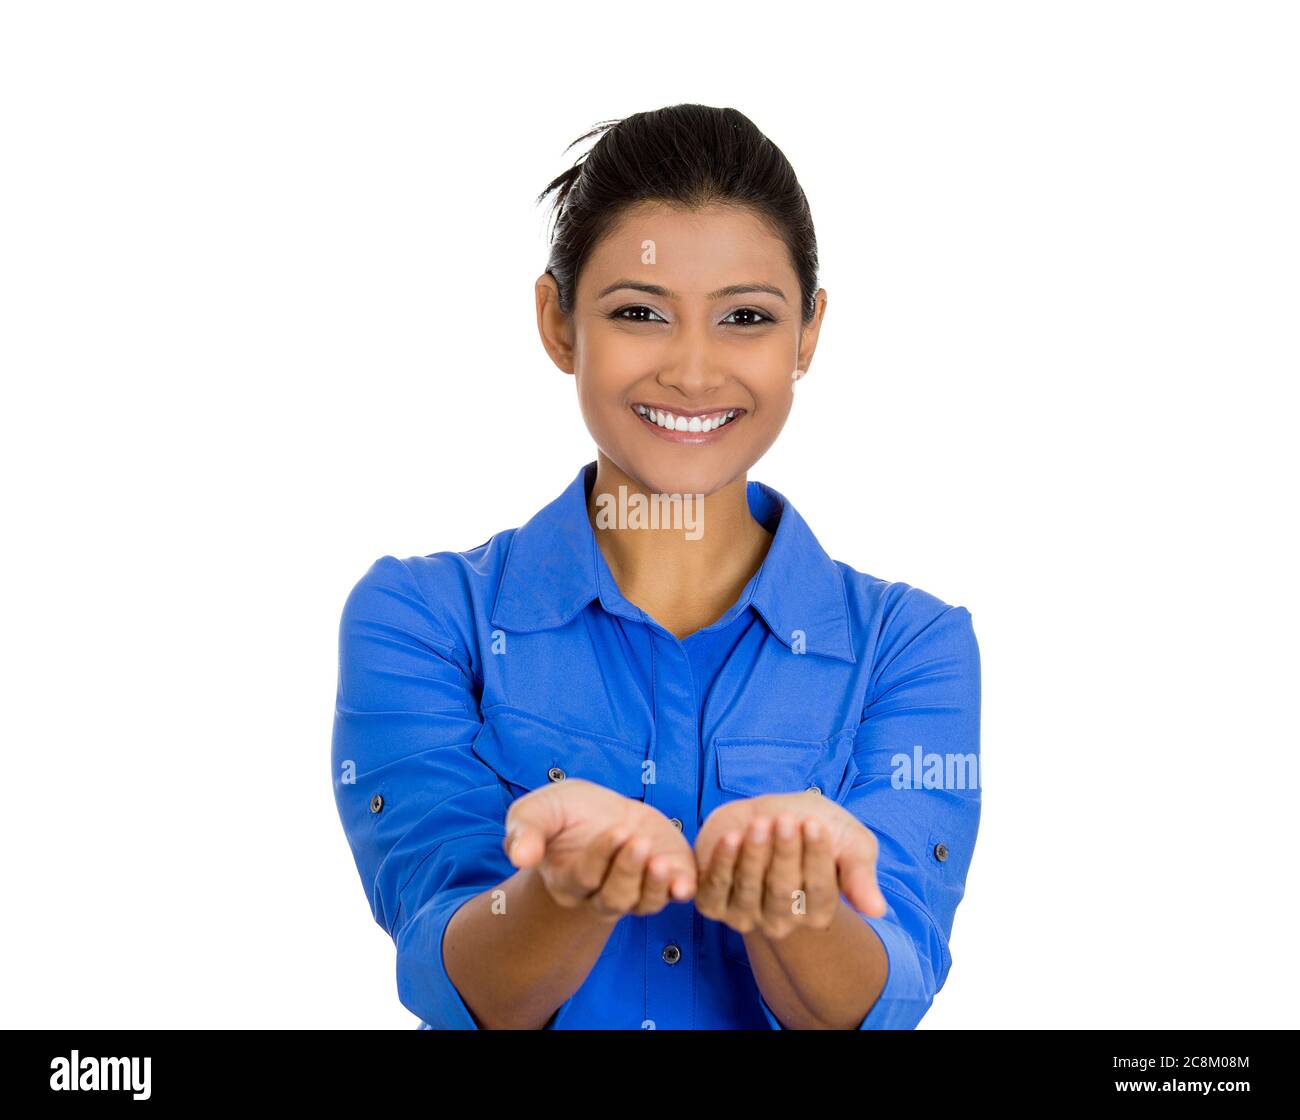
683,426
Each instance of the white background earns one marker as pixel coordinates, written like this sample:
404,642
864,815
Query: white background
266,315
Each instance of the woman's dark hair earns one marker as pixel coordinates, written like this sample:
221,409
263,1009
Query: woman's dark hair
689,156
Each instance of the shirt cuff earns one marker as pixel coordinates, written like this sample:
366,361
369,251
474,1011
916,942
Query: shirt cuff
905,998
423,985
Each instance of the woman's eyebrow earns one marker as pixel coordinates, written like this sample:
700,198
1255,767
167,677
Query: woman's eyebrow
664,293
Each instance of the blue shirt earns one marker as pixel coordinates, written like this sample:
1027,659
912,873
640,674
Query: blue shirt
467,679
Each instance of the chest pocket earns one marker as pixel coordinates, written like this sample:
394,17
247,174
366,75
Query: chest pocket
527,752
752,765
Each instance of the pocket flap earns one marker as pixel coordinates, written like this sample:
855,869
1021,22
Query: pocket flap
530,752
754,765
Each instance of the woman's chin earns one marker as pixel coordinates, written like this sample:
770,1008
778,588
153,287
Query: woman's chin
664,474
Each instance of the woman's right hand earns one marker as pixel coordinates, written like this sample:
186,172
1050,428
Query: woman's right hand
597,849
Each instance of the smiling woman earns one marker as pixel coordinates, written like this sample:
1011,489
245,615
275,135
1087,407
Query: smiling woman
681,287
604,772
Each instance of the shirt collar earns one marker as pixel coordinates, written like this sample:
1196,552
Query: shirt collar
555,568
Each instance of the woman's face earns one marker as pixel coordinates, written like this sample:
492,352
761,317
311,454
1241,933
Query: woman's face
685,341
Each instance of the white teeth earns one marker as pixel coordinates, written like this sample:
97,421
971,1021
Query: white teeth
673,423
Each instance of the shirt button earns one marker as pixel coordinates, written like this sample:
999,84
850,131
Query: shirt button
941,852
555,774
676,824
672,954
376,803
814,789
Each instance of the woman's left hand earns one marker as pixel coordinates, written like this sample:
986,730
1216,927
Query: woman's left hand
780,862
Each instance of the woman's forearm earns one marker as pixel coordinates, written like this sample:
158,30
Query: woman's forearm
515,967
821,980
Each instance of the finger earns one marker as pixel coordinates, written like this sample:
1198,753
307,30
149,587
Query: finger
819,878
684,879
659,872
593,865
622,886
714,892
747,889
784,873
857,877
684,876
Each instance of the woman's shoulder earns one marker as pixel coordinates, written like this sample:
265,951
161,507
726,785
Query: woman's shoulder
891,614
447,588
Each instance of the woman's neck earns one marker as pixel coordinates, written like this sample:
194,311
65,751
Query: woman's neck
687,565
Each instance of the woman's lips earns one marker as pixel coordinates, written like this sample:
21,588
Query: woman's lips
688,427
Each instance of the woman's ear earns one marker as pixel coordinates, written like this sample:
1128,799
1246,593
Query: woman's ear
808,337
553,325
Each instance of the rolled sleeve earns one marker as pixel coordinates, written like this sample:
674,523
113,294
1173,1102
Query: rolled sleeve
423,985
917,751
423,815
924,705
463,871
907,993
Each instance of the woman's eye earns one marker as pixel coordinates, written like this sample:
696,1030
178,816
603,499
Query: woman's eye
763,317
640,313
636,317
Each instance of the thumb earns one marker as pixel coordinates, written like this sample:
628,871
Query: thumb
529,828
524,845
